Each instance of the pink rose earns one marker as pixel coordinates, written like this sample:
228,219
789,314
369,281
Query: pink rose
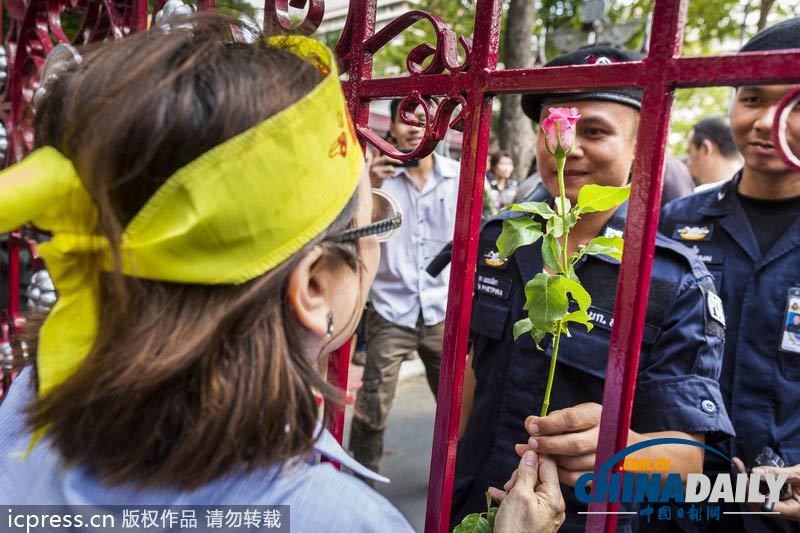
559,129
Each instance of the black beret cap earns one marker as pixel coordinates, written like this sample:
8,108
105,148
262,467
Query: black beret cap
590,55
781,36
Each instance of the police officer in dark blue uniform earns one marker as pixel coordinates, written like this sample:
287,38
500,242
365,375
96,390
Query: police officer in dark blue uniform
677,392
747,231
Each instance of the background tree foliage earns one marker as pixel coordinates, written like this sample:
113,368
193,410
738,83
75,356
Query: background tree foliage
713,26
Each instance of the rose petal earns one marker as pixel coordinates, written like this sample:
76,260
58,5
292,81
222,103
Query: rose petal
567,137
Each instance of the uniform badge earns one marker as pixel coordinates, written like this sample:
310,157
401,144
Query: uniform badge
790,337
492,259
715,309
714,314
693,233
599,60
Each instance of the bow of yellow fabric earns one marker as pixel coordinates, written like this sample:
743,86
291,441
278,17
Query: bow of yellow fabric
227,217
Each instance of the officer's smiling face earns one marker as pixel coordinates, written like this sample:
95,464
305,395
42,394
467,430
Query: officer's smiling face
605,144
752,116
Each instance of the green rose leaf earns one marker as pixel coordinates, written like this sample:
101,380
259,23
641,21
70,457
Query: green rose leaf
578,293
522,326
546,301
580,317
583,299
593,198
491,515
538,335
542,209
555,227
571,271
551,252
573,216
474,523
610,246
517,232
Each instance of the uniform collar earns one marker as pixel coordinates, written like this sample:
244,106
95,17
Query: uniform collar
724,204
327,446
724,200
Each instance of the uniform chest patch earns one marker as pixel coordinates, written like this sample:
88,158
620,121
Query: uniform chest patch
715,309
604,320
790,337
491,259
689,232
490,285
709,255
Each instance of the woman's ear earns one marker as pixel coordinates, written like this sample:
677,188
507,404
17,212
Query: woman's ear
309,293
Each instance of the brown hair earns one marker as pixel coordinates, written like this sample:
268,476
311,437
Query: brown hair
495,158
184,383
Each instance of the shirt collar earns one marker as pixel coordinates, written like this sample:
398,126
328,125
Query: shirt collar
724,200
443,168
327,446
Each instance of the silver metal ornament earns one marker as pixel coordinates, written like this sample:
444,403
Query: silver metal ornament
41,292
172,9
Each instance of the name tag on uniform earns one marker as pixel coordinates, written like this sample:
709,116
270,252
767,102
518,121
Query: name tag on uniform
605,320
693,232
490,285
790,339
710,255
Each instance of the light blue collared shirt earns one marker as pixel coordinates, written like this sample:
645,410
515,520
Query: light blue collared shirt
320,498
402,289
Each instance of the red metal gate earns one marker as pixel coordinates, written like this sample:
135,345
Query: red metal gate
472,83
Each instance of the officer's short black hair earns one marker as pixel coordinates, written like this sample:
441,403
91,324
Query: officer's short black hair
782,36
718,131
589,55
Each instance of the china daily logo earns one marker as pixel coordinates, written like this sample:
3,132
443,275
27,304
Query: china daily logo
653,483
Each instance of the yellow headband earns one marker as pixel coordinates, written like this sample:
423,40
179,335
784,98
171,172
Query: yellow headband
229,216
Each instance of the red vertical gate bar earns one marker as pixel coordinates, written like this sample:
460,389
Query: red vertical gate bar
483,61
338,369
640,232
139,16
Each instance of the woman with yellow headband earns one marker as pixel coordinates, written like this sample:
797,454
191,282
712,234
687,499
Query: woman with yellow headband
213,234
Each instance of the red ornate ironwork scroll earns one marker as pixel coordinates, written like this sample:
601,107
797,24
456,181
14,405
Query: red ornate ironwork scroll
470,86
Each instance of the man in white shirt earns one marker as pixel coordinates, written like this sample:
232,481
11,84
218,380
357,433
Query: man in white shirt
408,305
